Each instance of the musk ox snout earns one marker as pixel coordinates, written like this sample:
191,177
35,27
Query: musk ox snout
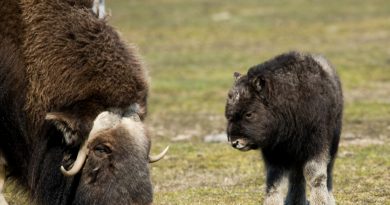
241,144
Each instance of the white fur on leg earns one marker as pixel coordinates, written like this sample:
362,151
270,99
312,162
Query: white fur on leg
332,201
2,172
2,179
315,174
2,200
275,196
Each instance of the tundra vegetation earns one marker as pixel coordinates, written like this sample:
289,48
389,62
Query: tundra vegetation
193,47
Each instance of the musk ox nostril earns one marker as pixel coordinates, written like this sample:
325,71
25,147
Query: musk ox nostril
235,143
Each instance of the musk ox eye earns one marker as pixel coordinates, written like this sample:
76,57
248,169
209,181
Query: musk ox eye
248,115
102,149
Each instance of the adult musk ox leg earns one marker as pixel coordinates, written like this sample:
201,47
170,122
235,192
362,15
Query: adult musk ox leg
297,188
2,179
276,181
315,172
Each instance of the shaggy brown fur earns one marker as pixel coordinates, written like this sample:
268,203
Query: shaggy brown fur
12,96
67,49
56,56
10,21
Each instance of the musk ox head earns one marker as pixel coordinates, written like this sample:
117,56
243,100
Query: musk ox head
249,119
113,160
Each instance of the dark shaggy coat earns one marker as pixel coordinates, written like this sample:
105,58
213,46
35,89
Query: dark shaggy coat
10,21
290,107
57,56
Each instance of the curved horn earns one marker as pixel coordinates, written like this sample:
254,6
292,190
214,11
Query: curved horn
78,164
153,159
103,121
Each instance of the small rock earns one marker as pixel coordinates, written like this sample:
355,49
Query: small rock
346,154
222,16
349,136
363,142
216,138
181,137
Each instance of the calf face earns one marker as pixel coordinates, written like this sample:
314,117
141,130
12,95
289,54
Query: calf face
249,121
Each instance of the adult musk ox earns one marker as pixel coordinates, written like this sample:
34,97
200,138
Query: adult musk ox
71,93
290,108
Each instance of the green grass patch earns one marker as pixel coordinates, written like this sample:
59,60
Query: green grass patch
218,174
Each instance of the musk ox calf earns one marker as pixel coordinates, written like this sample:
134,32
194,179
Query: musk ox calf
290,108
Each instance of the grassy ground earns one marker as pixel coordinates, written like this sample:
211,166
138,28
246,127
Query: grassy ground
192,47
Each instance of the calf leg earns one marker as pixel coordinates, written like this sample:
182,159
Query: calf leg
276,181
329,181
315,172
333,152
297,188
2,179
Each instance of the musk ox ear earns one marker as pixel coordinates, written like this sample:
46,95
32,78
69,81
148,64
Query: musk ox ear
258,83
65,123
236,76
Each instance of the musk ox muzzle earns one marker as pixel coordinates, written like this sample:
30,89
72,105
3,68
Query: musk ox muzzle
241,144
